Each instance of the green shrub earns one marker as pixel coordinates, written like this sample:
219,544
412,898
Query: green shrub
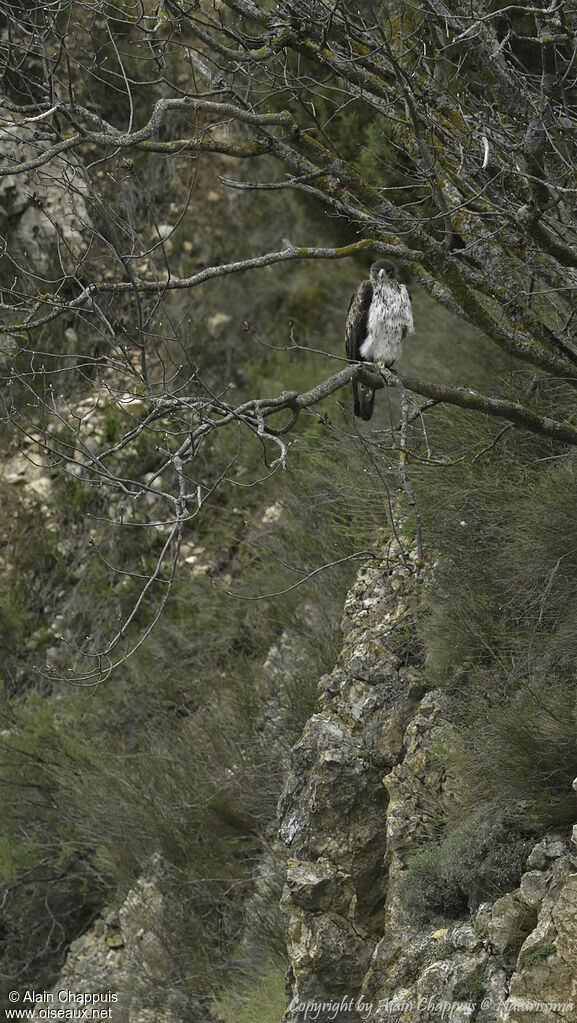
181,755
520,752
478,859
48,886
497,622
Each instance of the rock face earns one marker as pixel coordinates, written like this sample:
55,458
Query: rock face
365,786
120,967
334,808
45,206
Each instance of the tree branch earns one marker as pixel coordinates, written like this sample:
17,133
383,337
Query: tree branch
462,397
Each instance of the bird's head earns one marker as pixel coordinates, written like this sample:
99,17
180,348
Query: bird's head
383,269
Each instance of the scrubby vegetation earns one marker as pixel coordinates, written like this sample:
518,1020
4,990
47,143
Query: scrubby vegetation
183,752
476,860
175,763
496,623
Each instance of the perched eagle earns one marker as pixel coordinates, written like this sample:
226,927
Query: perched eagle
378,320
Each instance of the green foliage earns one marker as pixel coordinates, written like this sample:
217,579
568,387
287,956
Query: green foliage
182,755
520,751
477,859
113,424
15,622
480,516
179,758
497,621
75,500
542,952
32,572
264,1001
50,890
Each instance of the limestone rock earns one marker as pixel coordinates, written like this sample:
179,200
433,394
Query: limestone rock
333,809
366,788
545,973
510,922
217,324
542,855
123,961
48,213
533,888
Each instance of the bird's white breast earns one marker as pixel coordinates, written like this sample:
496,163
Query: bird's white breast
390,319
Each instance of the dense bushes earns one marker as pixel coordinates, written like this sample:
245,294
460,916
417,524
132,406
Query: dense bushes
497,622
476,860
498,627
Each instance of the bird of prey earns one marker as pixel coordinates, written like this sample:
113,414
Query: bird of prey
378,320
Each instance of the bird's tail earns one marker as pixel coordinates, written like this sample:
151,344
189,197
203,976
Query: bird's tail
363,401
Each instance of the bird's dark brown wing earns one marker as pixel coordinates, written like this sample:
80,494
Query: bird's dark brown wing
357,318
355,334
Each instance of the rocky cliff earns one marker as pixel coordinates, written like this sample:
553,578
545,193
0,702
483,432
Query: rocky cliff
366,787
